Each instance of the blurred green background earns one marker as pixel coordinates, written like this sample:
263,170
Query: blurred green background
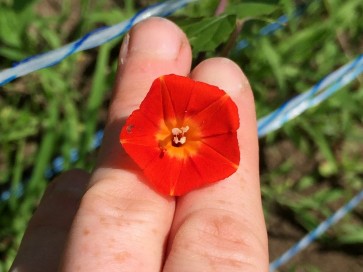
309,168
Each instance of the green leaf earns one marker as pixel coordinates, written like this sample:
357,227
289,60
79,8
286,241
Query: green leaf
10,30
96,96
205,8
107,17
20,5
12,53
330,167
16,124
251,9
207,34
274,60
351,234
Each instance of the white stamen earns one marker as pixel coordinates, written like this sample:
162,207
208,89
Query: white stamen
176,131
183,140
178,134
185,129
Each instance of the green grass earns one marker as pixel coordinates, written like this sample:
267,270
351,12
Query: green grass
309,167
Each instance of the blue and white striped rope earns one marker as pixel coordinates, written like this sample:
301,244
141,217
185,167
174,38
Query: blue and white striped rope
319,230
57,165
90,40
318,93
312,97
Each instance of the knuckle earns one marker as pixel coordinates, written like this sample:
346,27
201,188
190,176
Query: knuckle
112,207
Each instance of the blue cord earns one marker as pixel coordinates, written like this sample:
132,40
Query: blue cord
314,234
312,97
90,40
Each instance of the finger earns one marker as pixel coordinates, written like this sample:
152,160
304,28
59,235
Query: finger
43,241
221,227
122,224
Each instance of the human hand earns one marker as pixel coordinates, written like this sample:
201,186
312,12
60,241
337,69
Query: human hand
113,221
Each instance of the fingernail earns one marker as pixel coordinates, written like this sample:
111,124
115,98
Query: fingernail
124,49
224,73
231,76
156,38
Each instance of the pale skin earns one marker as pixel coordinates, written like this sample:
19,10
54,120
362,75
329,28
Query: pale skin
111,220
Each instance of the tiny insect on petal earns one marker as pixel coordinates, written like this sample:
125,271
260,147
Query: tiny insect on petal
183,136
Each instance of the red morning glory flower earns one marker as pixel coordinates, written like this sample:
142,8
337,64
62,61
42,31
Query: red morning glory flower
183,136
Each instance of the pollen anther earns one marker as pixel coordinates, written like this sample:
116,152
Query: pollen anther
179,135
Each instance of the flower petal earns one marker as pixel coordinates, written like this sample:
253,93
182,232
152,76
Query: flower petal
137,139
209,166
179,91
177,177
163,172
152,105
219,117
226,145
202,116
